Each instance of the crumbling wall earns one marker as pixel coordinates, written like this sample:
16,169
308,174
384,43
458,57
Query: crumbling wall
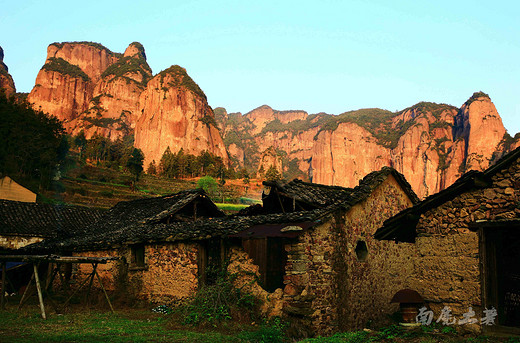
247,275
385,268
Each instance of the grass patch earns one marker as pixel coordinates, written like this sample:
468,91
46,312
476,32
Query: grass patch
95,327
231,207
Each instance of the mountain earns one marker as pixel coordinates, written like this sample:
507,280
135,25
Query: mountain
431,144
6,80
99,92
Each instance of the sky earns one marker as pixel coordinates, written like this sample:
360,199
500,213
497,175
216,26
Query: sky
318,56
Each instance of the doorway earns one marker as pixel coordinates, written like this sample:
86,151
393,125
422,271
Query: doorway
501,266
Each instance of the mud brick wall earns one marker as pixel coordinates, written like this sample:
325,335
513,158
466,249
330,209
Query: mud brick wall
447,271
371,283
17,242
170,273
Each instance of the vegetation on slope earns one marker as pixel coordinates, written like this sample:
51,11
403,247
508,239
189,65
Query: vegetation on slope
92,44
182,79
61,66
129,64
475,97
32,143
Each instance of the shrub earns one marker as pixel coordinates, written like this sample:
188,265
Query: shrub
272,331
106,194
215,303
59,65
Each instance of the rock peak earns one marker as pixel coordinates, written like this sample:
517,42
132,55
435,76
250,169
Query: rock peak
480,96
134,49
6,80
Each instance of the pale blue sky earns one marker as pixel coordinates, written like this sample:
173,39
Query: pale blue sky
318,56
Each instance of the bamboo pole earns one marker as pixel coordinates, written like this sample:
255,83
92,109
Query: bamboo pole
38,287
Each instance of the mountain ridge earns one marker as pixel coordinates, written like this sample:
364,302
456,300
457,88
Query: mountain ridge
99,92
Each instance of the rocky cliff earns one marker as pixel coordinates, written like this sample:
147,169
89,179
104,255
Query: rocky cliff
176,114
6,80
431,144
113,109
116,95
65,84
99,92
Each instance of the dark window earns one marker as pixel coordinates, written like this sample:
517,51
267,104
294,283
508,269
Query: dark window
137,255
361,251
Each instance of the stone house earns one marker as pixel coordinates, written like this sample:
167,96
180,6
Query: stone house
24,223
464,243
10,190
310,246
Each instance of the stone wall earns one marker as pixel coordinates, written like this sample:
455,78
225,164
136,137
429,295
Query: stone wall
309,292
447,270
372,280
17,242
447,273
170,273
327,287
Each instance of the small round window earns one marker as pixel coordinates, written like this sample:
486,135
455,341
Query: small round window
361,251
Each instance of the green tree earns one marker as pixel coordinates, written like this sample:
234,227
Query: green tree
31,143
152,169
273,174
135,163
166,163
81,142
208,184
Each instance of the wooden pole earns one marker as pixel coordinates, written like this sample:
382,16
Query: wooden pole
2,306
38,287
26,292
83,283
105,292
94,267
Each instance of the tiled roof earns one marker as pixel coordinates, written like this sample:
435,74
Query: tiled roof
134,222
152,210
313,194
44,220
320,196
402,226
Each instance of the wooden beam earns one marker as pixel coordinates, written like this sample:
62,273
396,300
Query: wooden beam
38,287
56,259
